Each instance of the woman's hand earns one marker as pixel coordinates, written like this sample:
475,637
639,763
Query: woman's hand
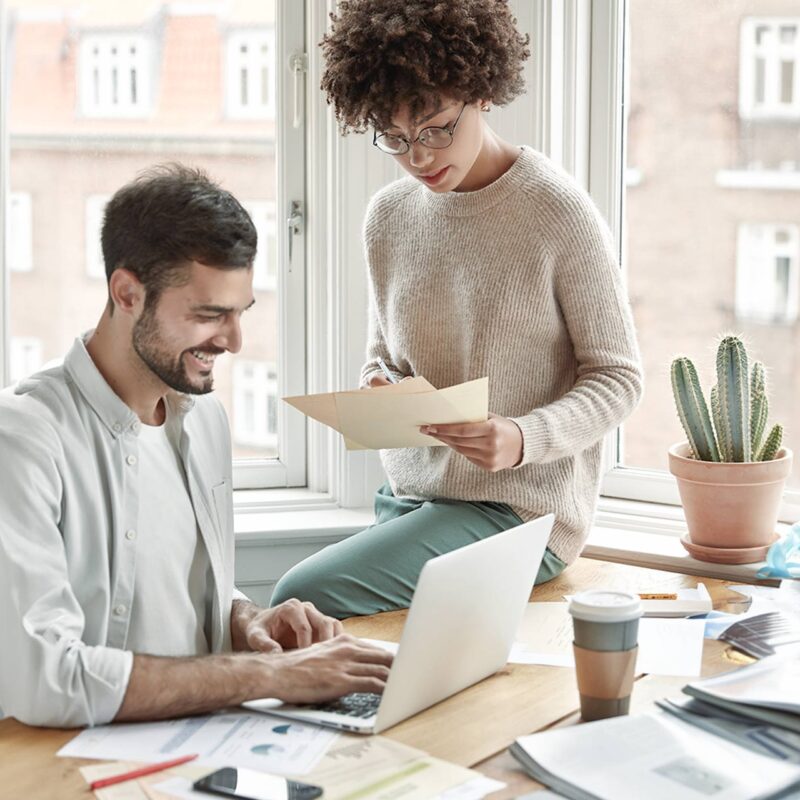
379,380
492,445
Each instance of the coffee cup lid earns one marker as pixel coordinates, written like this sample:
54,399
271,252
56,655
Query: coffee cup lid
605,605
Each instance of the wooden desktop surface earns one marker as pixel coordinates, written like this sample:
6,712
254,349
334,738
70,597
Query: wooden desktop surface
472,728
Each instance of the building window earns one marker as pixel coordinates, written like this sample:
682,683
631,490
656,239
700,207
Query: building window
770,68
19,245
255,401
25,357
95,208
766,272
250,84
115,75
265,266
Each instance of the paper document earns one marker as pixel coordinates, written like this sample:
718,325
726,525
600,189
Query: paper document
390,416
666,646
142,788
374,768
649,755
239,739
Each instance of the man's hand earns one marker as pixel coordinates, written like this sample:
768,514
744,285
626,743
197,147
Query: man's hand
328,670
288,626
492,445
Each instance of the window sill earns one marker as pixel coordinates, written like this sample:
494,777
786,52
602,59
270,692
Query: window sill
625,531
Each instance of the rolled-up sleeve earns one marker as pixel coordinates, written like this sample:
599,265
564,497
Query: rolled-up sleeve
48,674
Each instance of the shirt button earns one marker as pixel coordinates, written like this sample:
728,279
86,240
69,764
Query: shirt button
130,535
131,460
135,427
117,427
120,610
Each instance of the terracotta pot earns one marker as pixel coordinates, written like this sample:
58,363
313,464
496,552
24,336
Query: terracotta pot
730,505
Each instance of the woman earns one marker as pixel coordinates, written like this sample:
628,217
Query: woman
487,260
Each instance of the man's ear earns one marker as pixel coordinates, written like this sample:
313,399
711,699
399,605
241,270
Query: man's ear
126,291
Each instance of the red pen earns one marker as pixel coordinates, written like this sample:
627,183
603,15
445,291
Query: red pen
138,773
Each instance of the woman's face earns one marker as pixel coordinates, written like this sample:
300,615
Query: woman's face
441,170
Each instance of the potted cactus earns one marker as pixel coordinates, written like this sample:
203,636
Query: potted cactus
730,472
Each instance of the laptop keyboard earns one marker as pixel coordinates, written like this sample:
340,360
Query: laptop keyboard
357,704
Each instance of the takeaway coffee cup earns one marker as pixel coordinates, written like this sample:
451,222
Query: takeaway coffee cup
606,629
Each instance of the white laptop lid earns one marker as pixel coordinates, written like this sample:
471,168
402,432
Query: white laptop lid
464,616
461,625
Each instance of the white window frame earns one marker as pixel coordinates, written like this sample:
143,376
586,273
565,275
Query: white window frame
104,78
94,210
757,285
773,58
254,65
290,469
20,232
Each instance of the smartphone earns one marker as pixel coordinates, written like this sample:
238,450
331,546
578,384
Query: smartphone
248,784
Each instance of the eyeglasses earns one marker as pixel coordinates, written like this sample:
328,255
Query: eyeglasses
435,138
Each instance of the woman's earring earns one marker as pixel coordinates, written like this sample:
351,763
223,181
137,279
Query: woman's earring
485,107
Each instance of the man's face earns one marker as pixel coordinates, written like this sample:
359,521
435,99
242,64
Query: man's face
441,170
189,326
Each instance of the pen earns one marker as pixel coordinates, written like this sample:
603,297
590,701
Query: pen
382,365
658,596
138,773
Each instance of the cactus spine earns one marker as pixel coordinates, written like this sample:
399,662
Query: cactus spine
693,411
739,407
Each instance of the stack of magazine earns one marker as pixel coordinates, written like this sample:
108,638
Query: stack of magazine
737,737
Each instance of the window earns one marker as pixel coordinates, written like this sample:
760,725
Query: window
701,256
766,273
72,149
26,357
770,67
265,266
250,74
255,404
95,208
19,250
115,75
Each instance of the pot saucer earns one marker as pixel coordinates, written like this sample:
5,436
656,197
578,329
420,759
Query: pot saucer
727,555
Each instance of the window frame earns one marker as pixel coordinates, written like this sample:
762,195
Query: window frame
606,137
26,201
145,79
289,470
746,275
233,105
771,108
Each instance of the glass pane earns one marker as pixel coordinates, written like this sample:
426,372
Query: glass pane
101,89
692,243
787,81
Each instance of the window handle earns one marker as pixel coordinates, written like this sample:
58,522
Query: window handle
298,65
295,224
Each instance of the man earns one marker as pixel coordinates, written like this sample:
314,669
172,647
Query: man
116,520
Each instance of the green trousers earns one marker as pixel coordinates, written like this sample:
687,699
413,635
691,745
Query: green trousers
377,569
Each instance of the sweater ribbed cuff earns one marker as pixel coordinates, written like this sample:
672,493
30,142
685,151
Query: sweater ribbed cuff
535,438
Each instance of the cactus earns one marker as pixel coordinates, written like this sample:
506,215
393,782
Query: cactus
734,397
739,407
759,407
693,411
771,444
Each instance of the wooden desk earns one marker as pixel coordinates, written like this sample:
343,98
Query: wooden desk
473,728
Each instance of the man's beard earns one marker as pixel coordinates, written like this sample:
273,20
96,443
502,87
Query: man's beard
153,350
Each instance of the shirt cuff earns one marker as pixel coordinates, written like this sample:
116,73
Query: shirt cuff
535,438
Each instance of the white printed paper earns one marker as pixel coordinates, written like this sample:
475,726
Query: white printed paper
238,739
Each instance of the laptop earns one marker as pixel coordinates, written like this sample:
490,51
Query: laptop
460,628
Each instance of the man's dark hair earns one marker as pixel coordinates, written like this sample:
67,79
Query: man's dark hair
169,216
380,54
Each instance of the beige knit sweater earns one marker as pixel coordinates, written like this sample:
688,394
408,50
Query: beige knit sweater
517,281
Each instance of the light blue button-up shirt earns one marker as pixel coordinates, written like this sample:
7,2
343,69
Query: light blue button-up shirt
69,493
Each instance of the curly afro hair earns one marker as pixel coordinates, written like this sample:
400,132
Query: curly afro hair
380,54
